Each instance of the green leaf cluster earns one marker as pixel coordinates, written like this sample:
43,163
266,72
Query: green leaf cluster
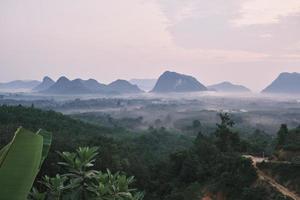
81,182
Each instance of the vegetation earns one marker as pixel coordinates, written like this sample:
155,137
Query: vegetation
290,140
81,182
284,173
288,144
207,164
285,167
20,161
118,149
282,136
166,165
260,143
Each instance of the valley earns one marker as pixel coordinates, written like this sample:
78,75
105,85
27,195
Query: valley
150,100
174,111
182,131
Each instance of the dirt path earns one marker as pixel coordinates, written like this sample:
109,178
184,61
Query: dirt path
285,191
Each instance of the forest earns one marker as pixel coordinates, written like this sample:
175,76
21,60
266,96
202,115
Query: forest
158,163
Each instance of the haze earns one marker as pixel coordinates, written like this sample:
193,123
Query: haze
247,42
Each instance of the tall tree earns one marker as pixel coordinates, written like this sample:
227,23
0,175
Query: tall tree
282,135
227,140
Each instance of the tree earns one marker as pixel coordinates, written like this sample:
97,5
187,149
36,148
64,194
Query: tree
226,121
196,124
282,136
227,140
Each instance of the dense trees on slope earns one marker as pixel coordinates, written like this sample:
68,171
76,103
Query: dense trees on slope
119,150
208,165
165,165
285,168
288,139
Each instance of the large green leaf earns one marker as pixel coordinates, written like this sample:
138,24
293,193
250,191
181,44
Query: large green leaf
19,164
47,139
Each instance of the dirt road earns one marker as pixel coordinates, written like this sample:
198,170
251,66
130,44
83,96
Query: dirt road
285,191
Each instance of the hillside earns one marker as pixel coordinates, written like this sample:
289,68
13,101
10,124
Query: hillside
45,84
123,87
94,86
285,83
175,82
228,87
166,165
284,165
11,117
68,133
284,173
19,84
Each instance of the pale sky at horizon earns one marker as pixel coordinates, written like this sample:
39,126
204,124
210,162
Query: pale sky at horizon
246,42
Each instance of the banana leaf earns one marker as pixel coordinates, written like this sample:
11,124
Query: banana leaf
47,139
20,161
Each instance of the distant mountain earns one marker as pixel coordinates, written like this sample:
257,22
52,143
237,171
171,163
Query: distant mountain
144,84
19,84
78,86
66,86
175,82
123,86
94,86
285,83
228,87
45,84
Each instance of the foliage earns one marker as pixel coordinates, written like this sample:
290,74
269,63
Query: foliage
166,165
259,143
284,173
20,162
82,183
282,136
55,187
207,162
292,142
227,140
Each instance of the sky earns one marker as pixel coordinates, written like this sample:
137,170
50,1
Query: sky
246,42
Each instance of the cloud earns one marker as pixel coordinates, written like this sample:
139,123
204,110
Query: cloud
81,34
238,25
266,11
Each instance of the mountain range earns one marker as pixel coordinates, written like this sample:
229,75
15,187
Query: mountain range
78,86
65,86
228,87
167,82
